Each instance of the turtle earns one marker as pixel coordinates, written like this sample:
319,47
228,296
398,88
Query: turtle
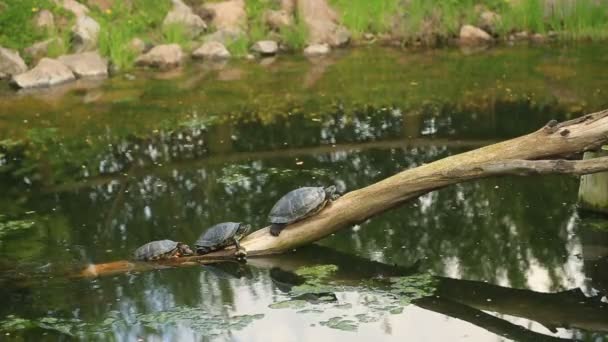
162,249
299,204
222,235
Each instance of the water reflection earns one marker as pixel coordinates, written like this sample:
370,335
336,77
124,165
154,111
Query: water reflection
508,253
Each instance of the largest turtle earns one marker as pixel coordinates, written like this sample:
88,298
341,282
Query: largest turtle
299,204
222,235
162,249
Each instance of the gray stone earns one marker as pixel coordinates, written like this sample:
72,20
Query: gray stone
40,49
85,34
470,34
211,50
181,14
340,37
277,19
317,50
10,63
44,20
265,47
47,73
162,57
137,45
228,15
87,64
488,20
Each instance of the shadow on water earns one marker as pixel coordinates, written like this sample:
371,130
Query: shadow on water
91,174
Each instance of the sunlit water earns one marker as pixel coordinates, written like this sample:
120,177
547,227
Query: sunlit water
91,171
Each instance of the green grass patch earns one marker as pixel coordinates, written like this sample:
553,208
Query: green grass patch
239,47
362,16
295,36
17,28
175,33
125,21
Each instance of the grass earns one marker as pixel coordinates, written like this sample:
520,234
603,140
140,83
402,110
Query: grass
239,47
17,29
123,22
175,33
295,36
363,16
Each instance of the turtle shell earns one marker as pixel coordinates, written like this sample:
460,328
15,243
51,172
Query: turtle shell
297,204
218,236
155,249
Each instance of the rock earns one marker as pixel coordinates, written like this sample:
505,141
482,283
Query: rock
137,45
85,34
211,50
317,50
73,6
470,34
223,36
44,20
488,20
340,37
275,20
538,38
10,63
288,6
523,35
88,64
322,23
265,47
181,14
162,57
369,36
47,73
40,49
228,15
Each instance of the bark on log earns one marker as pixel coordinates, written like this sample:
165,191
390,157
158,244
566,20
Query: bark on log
517,156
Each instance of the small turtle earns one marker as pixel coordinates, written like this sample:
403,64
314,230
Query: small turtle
298,205
162,249
223,235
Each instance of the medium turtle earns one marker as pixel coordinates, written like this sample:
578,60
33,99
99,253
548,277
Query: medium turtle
298,205
222,235
162,249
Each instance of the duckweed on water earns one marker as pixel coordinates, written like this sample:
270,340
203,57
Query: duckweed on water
340,324
197,319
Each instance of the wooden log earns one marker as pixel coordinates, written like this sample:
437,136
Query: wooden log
518,156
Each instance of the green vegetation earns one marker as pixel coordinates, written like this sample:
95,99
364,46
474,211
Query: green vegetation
123,22
175,33
362,16
18,29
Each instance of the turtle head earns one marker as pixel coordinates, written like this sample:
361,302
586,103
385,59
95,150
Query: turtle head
331,192
184,250
243,230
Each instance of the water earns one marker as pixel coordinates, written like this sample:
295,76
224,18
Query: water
90,172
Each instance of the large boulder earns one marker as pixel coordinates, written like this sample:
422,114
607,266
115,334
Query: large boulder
44,20
162,57
470,34
265,47
488,21
87,64
47,73
10,63
181,14
228,15
85,34
317,50
211,50
322,23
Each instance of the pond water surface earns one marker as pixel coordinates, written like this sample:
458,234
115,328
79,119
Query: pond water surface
90,171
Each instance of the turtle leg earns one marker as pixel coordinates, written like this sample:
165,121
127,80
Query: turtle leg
275,229
240,251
